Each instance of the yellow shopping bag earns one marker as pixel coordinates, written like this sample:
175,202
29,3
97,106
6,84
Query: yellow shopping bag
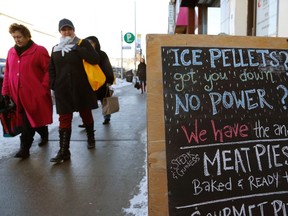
95,75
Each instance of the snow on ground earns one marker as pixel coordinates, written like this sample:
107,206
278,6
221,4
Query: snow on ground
138,204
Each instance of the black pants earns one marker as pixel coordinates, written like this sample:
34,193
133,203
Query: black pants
28,132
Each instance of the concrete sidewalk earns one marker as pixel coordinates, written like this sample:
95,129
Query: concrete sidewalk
98,182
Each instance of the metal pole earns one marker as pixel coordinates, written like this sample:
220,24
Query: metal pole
135,36
121,55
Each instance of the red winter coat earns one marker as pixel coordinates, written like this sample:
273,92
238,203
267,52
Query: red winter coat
26,81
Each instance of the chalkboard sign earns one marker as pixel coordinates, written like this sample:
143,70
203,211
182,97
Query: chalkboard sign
226,130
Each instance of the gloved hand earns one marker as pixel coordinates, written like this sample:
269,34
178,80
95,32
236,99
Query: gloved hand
67,49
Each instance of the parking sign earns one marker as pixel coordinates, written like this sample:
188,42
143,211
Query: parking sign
129,37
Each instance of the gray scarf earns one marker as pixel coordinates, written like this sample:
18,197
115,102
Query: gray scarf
66,44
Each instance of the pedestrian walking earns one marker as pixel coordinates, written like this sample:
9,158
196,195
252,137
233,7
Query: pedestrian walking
72,90
141,73
106,67
26,83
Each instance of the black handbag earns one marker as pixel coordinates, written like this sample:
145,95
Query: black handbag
8,120
137,84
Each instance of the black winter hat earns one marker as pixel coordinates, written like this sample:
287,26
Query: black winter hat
96,41
65,22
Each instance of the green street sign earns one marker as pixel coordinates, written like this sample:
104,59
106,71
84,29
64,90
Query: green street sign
129,37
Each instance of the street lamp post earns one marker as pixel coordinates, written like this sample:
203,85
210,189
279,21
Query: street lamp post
121,54
135,54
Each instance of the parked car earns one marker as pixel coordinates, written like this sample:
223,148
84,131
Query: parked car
129,75
2,69
117,72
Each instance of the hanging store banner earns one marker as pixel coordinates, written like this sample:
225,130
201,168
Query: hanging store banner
266,23
138,42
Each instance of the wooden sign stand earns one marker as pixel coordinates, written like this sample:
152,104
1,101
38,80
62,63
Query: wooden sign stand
158,198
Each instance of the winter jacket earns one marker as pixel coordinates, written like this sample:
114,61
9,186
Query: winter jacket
141,71
69,81
26,81
106,67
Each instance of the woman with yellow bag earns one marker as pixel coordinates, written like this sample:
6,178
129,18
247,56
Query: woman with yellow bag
71,87
106,67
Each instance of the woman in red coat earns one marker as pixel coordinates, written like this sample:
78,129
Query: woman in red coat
26,82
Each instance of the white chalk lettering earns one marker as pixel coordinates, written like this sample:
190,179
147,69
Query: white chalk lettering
279,208
211,186
263,181
268,154
246,101
184,78
195,55
191,102
219,162
259,75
